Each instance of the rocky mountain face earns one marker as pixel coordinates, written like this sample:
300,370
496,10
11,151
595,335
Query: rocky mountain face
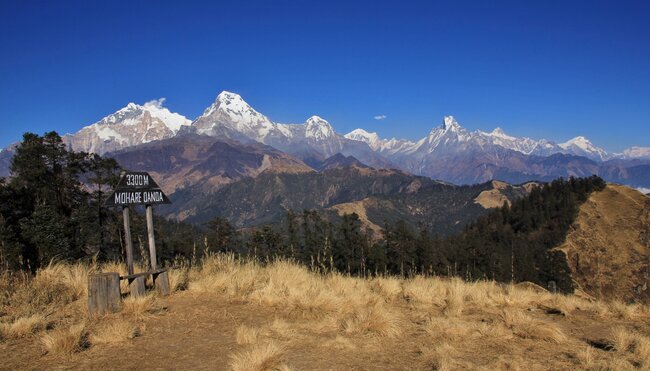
129,126
204,163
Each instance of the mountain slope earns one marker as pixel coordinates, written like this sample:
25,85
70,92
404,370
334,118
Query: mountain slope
379,196
132,125
203,162
608,246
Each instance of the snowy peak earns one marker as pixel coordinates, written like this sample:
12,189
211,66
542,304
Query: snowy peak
498,132
581,146
635,152
172,120
131,125
133,114
318,128
232,104
449,123
372,139
232,117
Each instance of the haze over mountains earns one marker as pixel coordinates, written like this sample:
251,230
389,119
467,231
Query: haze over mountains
449,152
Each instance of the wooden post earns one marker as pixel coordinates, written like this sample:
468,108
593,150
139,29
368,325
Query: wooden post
161,283
129,242
136,286
152,241
104,293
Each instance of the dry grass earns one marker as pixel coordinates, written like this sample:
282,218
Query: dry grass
65,341
527,327
633,346
375,320
141,306
245,335
440,356
449,323
115,331
262,357
23,326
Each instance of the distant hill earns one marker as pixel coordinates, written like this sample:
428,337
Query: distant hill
204,163
380,196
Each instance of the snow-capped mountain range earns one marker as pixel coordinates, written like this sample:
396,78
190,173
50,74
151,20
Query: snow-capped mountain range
448,152
231,117
451,134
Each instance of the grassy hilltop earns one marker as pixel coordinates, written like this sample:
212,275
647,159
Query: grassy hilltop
225,313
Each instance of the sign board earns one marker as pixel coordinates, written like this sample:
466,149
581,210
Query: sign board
137,188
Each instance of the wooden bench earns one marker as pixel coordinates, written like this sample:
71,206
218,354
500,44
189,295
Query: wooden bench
104,293
137,281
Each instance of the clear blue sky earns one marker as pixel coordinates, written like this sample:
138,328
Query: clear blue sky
553,69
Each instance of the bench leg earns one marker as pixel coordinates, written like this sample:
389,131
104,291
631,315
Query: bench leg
161,283
136,286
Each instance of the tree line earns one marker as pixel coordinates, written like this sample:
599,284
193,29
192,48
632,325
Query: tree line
512,243
52,208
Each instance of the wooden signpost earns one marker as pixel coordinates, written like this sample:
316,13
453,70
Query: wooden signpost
138,188
134,188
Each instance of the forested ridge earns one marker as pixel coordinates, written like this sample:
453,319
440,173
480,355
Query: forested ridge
52,208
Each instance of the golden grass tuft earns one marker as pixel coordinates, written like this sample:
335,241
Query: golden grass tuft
527,327
261,357
140,307
115,331
586,357
632,344
375,320
179,279
389,288
66,341
439,356
245,335
627,311
22,326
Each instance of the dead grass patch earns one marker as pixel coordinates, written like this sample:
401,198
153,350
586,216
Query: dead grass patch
140,307
527,327
23,326
115,331
375,320
260,357
66,341
245,335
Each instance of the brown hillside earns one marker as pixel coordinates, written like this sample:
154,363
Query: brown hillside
360,208
608,246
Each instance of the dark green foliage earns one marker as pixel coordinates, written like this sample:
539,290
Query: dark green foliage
52,208
221,235
515,243
511,243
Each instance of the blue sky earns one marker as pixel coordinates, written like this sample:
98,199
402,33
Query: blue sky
553,69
